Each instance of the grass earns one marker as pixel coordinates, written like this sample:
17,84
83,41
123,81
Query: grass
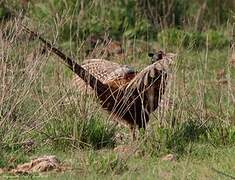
201,161
41,112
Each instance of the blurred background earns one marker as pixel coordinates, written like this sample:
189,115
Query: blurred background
75,20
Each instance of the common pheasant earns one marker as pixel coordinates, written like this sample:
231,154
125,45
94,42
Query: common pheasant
129,96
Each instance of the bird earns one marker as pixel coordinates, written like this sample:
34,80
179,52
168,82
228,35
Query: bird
128,95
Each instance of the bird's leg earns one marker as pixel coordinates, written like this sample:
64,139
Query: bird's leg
133,134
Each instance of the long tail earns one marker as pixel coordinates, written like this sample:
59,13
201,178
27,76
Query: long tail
95,83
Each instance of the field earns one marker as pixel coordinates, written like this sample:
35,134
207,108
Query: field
42,112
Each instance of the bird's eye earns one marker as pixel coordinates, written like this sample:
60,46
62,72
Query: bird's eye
151,54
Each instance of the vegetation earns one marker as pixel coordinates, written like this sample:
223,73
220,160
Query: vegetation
42,112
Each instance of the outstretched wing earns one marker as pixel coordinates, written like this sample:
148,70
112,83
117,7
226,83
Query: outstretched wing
110,73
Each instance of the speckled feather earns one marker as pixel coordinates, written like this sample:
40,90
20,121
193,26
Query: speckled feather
107,72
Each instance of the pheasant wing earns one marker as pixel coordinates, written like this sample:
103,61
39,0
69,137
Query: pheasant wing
113,74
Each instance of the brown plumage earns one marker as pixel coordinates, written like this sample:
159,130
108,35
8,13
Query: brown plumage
107,72
127,95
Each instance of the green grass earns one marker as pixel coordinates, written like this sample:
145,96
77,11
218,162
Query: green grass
39,104
201,161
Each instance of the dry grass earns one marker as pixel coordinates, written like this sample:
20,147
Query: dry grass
41,111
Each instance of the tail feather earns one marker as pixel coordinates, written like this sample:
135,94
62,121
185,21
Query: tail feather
95,83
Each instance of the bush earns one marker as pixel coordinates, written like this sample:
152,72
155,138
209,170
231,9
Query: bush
79,20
